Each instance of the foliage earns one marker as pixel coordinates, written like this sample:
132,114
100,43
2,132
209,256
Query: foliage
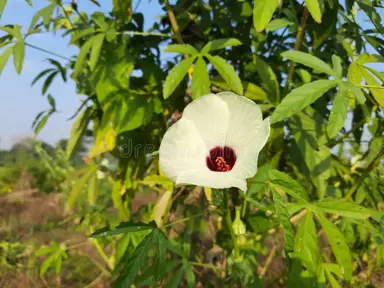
306,63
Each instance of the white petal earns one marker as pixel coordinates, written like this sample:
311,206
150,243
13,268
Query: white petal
182,149
245,121
248,153
210,115
208,178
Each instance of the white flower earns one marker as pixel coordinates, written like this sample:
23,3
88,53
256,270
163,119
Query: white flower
216,143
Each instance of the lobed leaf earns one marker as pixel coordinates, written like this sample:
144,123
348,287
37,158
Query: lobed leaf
220,44
182,49
283,216
301,97
176,75
227,72
339,247
338,112
200,79
309,61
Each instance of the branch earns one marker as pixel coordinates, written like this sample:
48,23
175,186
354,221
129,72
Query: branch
366,172
299,39
175,26
268,261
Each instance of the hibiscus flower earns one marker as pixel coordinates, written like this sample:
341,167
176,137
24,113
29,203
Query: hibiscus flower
216,142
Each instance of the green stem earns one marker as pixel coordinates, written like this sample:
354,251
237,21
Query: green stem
74,246
46,51
371,86
185,219
101,252
228,220
145,34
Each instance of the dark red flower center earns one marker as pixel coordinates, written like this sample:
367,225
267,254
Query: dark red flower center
221,159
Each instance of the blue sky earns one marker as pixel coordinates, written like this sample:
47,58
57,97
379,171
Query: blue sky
20,102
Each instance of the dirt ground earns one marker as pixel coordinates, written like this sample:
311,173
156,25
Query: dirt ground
28,217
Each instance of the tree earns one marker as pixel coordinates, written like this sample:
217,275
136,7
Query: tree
307,64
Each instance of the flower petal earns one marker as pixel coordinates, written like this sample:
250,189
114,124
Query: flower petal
207,178
210,115
248,153
181,149
245,120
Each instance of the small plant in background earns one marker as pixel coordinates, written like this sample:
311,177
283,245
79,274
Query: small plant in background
301,209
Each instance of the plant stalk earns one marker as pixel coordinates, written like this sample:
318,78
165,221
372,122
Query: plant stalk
299,39
228,220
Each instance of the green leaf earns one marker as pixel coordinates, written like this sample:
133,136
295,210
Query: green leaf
52,102
305,76
285,181
301,97
118,203
182,49
343,208
227,72
77,131
48,82
314,8
60,68
83,55
153,180
306,247
309,61
189,275
2,6
124,227
269,80
262,13
174,281
283,216
277,24
42,122
254,92
48,262
77,34
176,75
369,58
40,75
220,44
336,62
200,79
18,56
98,41
309,154
4,58
136,261
356,91
45,13
339,247
368,7
332,281
38,116
338,112
160,265
378,93
78,187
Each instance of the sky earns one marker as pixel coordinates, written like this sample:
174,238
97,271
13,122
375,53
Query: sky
19,101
